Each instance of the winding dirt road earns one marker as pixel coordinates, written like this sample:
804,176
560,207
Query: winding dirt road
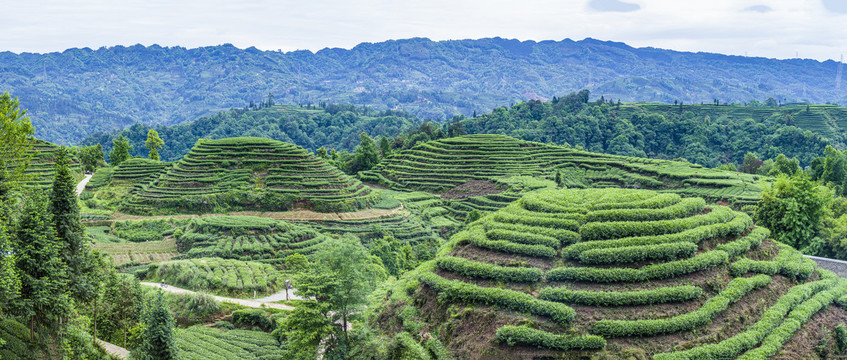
248,303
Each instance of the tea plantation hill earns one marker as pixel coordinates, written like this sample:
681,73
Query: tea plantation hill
613,274
440,165
249,174
42,168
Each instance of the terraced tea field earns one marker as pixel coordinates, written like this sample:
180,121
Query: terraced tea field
202,343
42,168
438,166
250,174
612,273
227,277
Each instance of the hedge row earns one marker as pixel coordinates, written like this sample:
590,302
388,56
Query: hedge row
772,317
735,226
564,236
684,208
736,288
512,248
620,229
543,221
795,320
513,335
703,261
482,270
415,349
788,262
438,349
510,299
629,254
655,202
523,237
622,298
744,244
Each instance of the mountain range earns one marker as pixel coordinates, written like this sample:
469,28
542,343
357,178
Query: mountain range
78,92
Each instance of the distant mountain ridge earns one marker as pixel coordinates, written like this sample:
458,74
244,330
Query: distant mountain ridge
82,91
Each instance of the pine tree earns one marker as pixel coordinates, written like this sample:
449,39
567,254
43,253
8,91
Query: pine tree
75,252
158,337
10,284
384,147
44,298
154,144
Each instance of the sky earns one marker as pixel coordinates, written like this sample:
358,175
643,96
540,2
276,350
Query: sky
815,29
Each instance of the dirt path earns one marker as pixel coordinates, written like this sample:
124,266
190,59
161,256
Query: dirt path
113,349
296,215
248,303
81,186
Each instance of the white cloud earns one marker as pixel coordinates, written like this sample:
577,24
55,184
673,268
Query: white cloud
726,26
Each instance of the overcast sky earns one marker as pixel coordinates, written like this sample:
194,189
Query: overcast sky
771,28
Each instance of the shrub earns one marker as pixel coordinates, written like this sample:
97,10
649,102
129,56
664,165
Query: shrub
619,229
621,298
518,301
788,262
744,244
528,336
669,251
476,269
703,261
252,317
477,237
226,325
733,292
684,208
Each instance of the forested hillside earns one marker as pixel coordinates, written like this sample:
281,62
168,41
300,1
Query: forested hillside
706,134
332,126
82,91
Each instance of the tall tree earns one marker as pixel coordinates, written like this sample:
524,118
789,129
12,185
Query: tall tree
120,150
367,155
44,297
158,337
91,157
154,143
10,284
123,294
384,147
15,143
783,165
793,208
75,251
340,280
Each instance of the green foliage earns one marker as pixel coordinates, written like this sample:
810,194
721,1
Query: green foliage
733,292
793,208
143,230
410,349
788,262
621,298
702,261
120,151
523,335
252,317
782,165
771,318
481,270
158,340
92,157
153,143
15,143
509,299
44,295
203,343
305,328
771,344
226,276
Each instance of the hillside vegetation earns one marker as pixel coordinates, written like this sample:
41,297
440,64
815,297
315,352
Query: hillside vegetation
710,135
75,93
249,174
42,167
440,165
331,126
613,273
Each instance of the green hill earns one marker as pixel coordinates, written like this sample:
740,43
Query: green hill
710,134
42,169
250,174
613,274
331,126
443,164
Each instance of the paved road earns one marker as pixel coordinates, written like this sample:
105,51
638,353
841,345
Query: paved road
280,296
248,303
81,186
837,266
113,349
